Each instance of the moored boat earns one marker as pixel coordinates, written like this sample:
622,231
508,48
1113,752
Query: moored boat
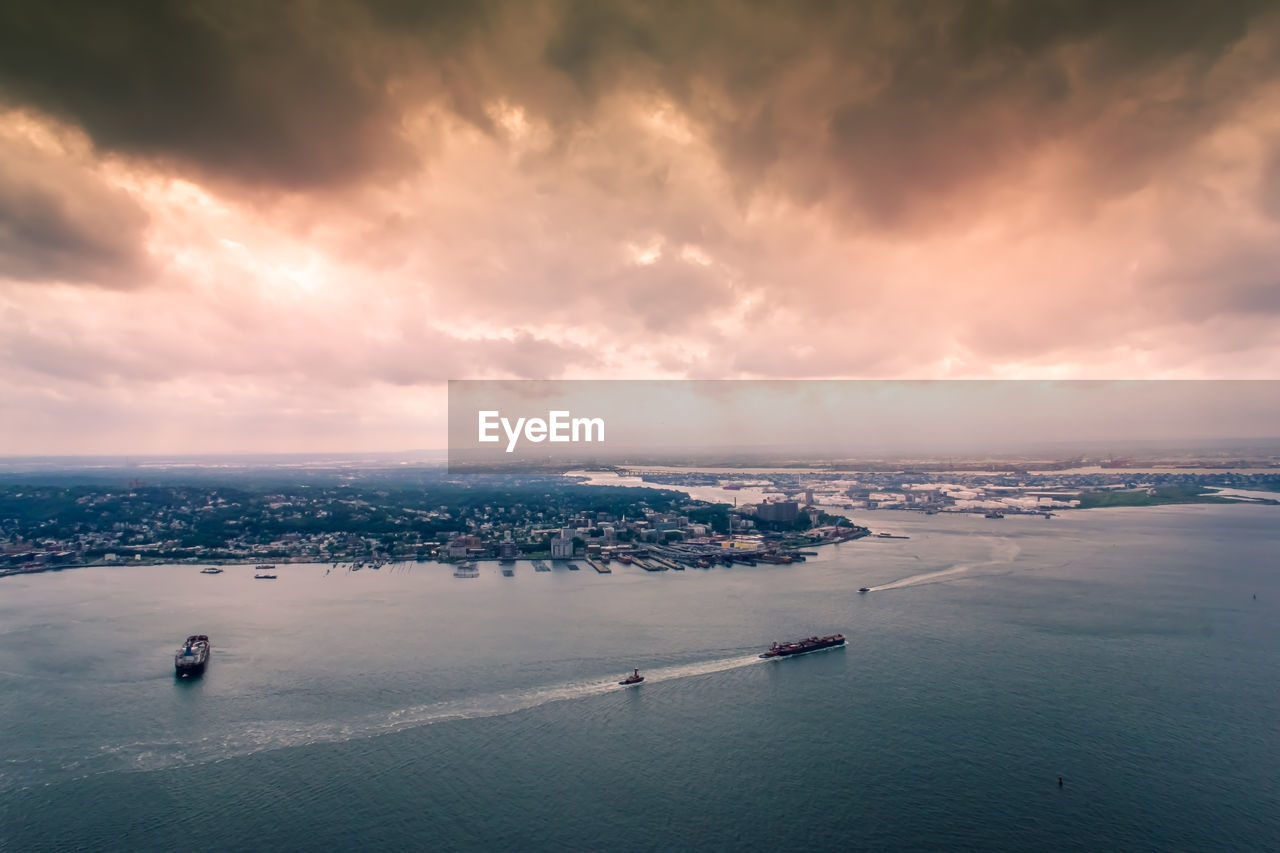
799,647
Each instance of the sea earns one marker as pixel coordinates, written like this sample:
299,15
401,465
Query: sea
1121,651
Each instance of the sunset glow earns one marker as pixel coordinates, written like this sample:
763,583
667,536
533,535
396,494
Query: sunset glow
284,227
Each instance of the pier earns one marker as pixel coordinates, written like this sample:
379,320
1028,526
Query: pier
599,566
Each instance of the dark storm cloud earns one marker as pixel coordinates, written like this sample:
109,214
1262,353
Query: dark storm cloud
892,108
884,108
289,94
65,224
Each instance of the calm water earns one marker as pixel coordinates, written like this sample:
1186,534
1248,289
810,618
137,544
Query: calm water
404,708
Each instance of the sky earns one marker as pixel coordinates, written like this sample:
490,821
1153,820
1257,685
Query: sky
265,227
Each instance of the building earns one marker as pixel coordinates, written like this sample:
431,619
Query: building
562,547
781,511
460,546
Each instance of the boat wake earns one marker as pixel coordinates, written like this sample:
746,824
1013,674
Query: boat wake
282,734
1003,555
921,580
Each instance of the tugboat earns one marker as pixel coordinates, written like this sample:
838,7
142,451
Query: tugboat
799,647
634,678
191,658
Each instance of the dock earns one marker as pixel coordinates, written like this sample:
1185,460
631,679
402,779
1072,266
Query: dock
599,566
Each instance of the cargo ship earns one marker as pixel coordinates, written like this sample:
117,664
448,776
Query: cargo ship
799,647
191,658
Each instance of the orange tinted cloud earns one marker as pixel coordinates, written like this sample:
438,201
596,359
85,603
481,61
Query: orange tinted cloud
244,228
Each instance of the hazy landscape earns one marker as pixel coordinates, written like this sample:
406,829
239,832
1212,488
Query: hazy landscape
628,425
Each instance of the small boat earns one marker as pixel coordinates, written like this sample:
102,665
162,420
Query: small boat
995,513
864,589
211,570
634,678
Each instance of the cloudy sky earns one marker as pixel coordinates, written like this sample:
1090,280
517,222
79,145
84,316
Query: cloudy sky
242,226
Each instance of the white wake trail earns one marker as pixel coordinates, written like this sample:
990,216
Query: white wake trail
264,736
1003,553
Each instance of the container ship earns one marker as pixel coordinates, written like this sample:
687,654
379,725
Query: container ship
799,647
192,657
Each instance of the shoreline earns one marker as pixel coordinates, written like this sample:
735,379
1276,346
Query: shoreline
285,561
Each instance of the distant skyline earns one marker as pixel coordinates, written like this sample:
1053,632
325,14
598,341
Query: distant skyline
281,227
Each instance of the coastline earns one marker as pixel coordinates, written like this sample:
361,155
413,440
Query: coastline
1151,501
